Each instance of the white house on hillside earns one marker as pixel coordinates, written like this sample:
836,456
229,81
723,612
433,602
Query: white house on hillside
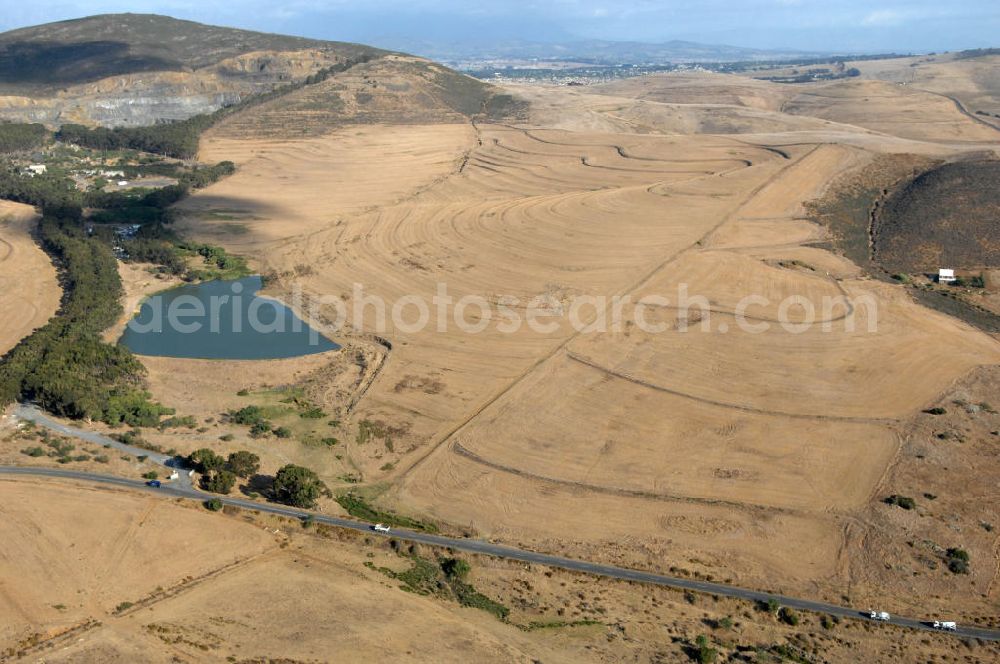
946,276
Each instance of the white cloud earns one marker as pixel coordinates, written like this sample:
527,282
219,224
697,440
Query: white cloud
881,17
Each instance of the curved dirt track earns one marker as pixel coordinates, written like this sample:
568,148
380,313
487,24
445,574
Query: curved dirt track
576,357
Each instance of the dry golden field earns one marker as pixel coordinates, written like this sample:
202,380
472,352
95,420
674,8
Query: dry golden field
752,453
98,575
29,292
757,456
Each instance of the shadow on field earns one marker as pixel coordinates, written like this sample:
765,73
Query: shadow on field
259,485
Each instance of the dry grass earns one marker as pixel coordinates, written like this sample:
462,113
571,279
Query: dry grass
263,588
29,292
751,457
747,452
73,552
893,109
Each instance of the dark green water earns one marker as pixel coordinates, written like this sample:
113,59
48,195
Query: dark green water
220,320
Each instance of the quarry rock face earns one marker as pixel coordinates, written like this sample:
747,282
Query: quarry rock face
149,108
144,107
144,98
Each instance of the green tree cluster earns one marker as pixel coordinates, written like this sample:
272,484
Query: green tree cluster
298,486
221,474
174,139
21,137
243,463
65,366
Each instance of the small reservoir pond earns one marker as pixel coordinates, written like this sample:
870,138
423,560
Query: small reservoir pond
220,320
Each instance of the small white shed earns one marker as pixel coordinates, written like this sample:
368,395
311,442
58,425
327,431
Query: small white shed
946,276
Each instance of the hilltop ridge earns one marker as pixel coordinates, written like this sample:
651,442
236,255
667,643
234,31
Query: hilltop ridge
140,69
83,50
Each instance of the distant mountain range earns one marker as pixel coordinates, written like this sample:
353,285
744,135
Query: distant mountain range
595,51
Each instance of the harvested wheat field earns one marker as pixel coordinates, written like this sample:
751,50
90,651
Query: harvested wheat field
662,107
674,327
29,292
701,88
74,553
973,82
93,575
262,588
742,441
893,109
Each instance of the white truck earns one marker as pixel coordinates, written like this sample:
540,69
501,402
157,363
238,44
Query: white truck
879,615
948,625
380,528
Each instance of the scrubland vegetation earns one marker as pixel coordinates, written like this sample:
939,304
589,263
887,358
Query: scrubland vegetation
445,578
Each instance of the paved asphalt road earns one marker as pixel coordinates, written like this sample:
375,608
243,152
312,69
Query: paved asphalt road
487,548
37,415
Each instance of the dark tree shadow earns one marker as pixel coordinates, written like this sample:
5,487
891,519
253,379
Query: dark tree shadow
260,485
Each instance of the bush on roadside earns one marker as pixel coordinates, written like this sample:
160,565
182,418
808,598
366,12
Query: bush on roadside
205,460
219,481
298,486
788,616
455,568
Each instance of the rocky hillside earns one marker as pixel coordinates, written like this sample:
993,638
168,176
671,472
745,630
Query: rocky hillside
136,69
394,89
946,217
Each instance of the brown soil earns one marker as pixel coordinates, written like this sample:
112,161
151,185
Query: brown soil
29,290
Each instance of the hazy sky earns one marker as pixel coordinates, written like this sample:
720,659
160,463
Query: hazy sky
857,25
